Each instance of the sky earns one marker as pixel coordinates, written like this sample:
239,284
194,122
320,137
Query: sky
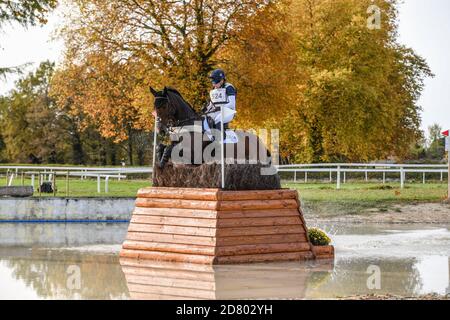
423,25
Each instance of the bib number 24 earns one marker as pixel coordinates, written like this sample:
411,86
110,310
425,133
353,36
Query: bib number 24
218,96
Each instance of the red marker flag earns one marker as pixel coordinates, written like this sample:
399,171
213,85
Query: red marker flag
445,133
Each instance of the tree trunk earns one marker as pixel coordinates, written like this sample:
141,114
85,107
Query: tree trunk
130,147
77,150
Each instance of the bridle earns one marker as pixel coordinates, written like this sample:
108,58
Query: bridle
172,110
172,122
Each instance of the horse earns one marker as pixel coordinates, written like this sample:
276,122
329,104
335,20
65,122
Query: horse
175,114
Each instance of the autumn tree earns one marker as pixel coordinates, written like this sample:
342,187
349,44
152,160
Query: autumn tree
31,126
436,143
360,100
337,89
180,39
35,129
263,64
110,96
26,13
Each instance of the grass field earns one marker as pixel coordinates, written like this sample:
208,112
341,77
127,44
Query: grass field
88,188
313,192
357,197
372,192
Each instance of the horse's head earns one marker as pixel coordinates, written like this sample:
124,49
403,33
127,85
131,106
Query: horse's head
163,107
172,109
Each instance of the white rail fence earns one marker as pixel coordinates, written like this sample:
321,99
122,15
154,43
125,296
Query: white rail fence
339,171
300,172
49,174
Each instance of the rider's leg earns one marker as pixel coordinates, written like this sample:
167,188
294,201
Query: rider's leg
218,126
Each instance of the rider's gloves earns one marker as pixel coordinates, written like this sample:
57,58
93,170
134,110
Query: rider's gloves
205,107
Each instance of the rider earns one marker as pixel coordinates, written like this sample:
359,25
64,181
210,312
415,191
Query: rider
218,80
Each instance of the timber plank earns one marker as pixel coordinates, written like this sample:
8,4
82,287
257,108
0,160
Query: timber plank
169,247
173,212
256,205
179,193
258,231
212,214
257,195
262,249
166,265
289,256
257,213
175,221
262,222
243,240
159,228
213,223
323,252
167,256
171,238
176,204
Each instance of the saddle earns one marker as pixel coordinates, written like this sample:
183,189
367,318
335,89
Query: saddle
206,128
230,136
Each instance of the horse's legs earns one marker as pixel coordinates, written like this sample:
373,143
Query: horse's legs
160,151
166,155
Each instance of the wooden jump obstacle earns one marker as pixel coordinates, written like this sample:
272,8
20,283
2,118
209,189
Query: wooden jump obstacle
210,226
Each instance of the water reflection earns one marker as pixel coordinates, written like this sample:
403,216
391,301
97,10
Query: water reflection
170,281
411,262
45,274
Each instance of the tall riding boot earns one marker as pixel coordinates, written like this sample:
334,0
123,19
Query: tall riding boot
218,126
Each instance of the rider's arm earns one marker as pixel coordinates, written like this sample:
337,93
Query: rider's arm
231,103
207,107
231,93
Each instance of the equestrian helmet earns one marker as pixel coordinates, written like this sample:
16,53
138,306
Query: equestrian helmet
217,76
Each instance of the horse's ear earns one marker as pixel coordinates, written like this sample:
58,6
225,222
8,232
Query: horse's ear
165,92
153,91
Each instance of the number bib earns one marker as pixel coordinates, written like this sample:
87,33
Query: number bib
219,96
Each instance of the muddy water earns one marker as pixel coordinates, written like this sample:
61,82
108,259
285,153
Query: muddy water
80,261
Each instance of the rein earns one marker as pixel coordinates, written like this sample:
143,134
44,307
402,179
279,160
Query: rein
180,123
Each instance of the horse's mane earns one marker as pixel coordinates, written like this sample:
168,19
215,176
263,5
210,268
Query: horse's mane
176,92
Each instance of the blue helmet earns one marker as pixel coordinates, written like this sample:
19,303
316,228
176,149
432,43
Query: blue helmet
217,76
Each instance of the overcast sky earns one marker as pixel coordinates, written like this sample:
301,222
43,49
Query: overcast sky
424,26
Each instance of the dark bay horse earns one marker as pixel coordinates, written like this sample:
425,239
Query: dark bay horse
176,115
